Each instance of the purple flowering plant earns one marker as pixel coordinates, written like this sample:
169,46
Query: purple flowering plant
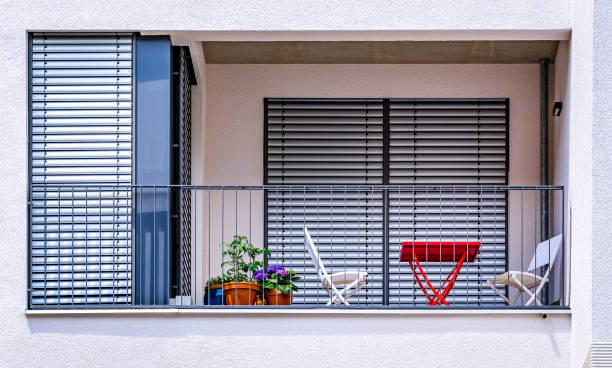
276,277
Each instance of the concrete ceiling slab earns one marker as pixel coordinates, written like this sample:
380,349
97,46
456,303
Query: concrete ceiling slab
378,52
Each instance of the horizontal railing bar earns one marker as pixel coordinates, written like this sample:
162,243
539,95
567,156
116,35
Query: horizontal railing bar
374,307
470,187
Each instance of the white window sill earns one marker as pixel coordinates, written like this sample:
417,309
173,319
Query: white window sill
288,312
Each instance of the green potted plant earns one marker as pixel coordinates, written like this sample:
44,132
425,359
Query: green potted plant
239,287
278,284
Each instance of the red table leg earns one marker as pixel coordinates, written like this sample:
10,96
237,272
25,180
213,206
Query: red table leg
420,284
439,295
456,269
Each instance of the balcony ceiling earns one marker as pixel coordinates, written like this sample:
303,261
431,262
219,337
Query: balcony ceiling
378,52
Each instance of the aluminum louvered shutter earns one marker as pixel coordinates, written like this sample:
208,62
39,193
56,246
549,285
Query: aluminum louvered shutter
81,136
431,142
448,141
325,141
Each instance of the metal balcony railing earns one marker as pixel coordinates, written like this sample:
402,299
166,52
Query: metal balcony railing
105,246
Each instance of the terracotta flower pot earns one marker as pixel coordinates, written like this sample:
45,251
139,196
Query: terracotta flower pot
240,293
277,297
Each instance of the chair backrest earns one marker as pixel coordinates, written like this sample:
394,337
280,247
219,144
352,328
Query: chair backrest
546,252
314,255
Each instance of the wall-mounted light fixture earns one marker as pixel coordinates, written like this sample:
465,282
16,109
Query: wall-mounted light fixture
557,107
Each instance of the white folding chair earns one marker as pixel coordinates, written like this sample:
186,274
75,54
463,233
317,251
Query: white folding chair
353,280
545,254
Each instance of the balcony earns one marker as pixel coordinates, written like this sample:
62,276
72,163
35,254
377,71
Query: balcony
404,193
105,246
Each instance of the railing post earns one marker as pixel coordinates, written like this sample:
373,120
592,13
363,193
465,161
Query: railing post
564,282
385,270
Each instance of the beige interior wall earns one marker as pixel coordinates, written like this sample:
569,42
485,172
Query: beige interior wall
559,168
234,129
198,151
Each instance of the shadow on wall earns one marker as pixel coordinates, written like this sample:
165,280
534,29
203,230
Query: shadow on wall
315,325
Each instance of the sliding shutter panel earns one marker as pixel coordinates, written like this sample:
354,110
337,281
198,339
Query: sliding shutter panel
325,141
441,143
81,168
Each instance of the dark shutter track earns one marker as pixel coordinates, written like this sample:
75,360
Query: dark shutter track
185,82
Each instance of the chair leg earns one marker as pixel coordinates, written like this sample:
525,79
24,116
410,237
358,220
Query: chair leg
355,289
347,292
498,292
526,290
338,294
539,289
333,300
329,292
351,289
534,296
341,296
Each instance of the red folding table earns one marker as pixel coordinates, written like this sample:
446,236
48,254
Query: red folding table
457,252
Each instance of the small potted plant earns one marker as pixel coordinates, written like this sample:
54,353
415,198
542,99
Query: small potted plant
278,284
213,291
239,287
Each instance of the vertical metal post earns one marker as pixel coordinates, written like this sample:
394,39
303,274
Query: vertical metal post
72,244
99,245
565,296
59,250
140,278
304,259
114,239
494,229
399,238
385,268
522,240
154,246
168,273
128,239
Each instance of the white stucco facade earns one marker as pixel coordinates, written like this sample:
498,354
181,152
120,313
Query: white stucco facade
582,79
602,171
